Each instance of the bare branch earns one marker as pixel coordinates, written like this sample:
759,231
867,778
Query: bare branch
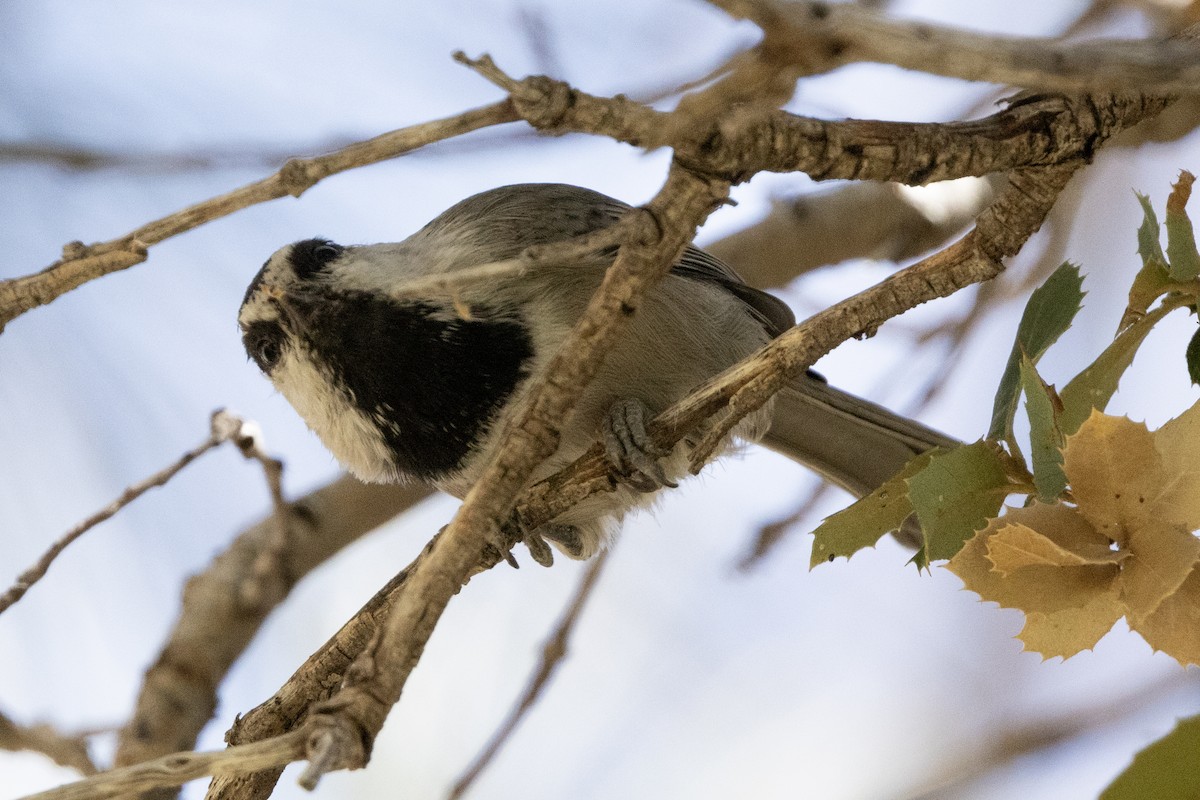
316,679
861,220
179,768
217,621
1033,131
1008,745
819,36
64,750
81,263
220,433
578,247
553,653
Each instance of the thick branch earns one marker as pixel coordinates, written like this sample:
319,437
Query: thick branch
819,36
1036,130
216,623
859,220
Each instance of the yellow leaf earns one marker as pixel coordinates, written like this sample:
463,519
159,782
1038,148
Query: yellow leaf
1115,473
1060,540
1035,586
1016,546
1178,444
1160,557
1179,440
1072,630
1175,627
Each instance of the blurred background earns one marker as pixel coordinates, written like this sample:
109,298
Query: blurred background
695,671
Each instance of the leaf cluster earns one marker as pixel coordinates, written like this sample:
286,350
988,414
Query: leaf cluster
1106,509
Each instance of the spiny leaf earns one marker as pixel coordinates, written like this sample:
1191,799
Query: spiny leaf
1045,439
1193,358
1148,234
1072,630
1095,386
1115,474
1161,557
1049,312
1013,560
1166,770
1172,627
1182,257
864,523
954,495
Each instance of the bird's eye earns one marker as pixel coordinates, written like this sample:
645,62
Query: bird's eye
264,345
267,353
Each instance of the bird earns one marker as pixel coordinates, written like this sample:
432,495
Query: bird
418,386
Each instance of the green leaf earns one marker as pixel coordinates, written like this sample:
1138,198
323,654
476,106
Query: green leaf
1166,770
1095,386
1148,234
1049,312
1193,358
1045,438
955,495
1182,257
864,523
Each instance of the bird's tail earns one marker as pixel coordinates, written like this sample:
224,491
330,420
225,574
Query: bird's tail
851,442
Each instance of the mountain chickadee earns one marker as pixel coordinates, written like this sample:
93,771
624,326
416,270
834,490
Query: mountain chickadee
401,388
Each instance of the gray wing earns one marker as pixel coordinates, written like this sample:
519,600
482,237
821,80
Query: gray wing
518,216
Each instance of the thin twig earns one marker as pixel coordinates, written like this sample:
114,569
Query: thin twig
566,251
553,653
82,263
772,533
35,573
179,768
223,427
265,585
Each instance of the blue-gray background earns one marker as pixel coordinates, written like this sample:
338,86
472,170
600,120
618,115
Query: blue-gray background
686,678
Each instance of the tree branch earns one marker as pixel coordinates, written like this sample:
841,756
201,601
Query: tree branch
179,768
553,653
820,36
66,751
216,623
1035,130
82,263
224,427
860,220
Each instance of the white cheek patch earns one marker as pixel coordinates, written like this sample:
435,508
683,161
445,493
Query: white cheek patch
350,434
